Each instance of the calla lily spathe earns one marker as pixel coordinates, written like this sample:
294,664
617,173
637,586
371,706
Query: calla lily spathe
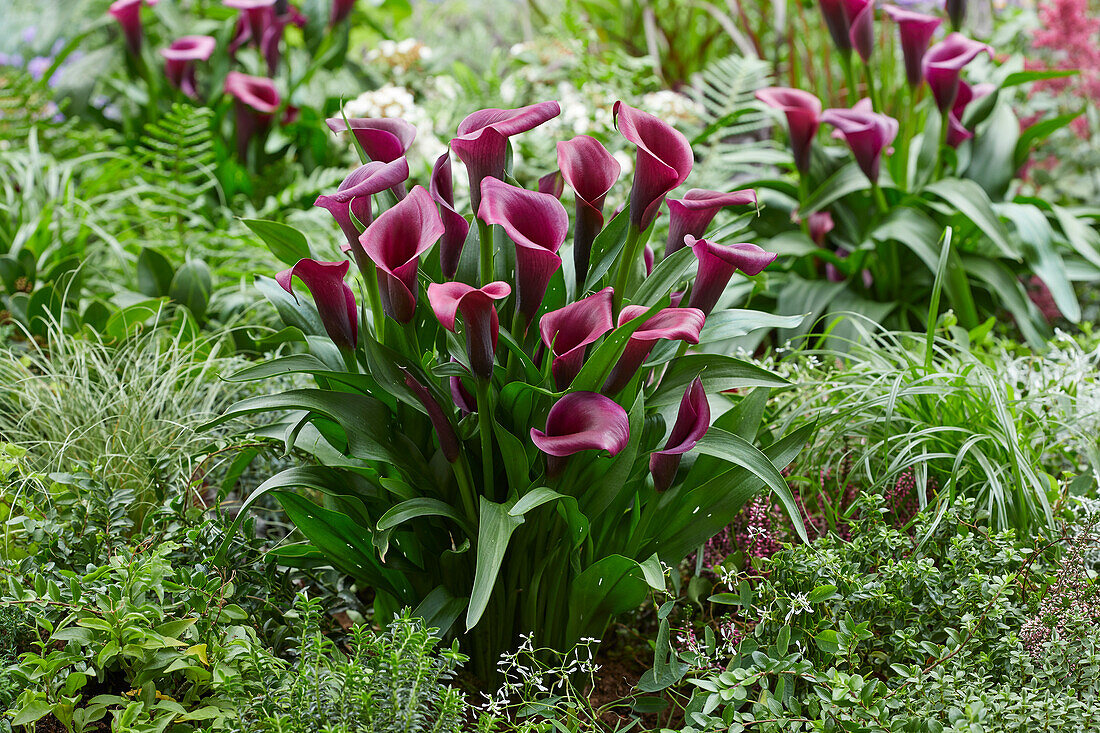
803,111
255,102
382,138
581,421
717,263
568,331
694,212
916,31
482,325
861,26
692,423
836,20
180,59
334,299
444,430
957,131
867,133
128,15
353,196
664,161
943,64
590,171
455,226
673,324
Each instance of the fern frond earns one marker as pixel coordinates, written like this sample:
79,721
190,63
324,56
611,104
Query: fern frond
178,151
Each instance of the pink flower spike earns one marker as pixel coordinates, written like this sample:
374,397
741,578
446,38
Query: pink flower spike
537,223
867,133
180,59
394,242
693,213
568,331
455,226
915,30
334,299
482,324
803,111
590,171
664,161
692,423
717,264
673,324
353,196
943,64
482,140
581,421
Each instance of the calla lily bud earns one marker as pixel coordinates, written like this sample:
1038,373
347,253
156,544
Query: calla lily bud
820,224
673,324
861,26
482,325
693,213
537,223
455,226
444,430
692,423
717,263
803,111
568,331
836,20
590,171
581,421
664,161
334,299
956,12
394,242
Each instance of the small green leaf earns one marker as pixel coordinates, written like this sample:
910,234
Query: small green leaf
285,242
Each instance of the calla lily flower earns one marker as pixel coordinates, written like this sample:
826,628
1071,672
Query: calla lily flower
341,9
717,263
462,397
648,256
537,223
861,26
692,423
128,15
836,20
590,171
957,132
803,112
334,299
820,223
916,30
482,140
693,213
568,331
867,134
353,196
581,421
673,324
444,430
448,300
252,23
455,226
553,184
664,161
943,63
394,242
256,100
180,58
382,138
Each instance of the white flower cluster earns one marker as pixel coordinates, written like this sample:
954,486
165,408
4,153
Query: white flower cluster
400,56
397,101
672,107
528,680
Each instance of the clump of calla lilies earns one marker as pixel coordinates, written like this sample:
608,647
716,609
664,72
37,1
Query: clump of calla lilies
511,423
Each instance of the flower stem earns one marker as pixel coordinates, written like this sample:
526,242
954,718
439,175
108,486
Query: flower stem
627,262
872,92
849,77
485,241
370,278
945,124
485,428
465,487
880,198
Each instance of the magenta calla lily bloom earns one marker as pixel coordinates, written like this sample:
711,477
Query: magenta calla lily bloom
693,213
353,196
803,111
581,421
180,59
256,100
590,171
341,9
820,224
444,430
943,63
836,20
255,17
568,331
382,138
537,223
455,226
916,30
692,423
128,15
334,299
861,26
482,325
663,163
717,263
553,184
394,242
957,132
482,140
673,324
867,133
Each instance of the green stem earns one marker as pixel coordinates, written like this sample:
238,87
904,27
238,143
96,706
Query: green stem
370,278
485,241
485,428
627,263
880,198
945,124
872,92
466,488
849,77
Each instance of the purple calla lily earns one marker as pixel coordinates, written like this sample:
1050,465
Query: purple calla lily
672,324
717,263
568,331
581,421
867,133
128,15
353,197
943,63
382,138
590,171
957,132
537,223
553,184
693,213
836,20
482,140
394,242
444,430
803,111
455,226
273,36
448,300
462,397
916,30
341,9
692,423
256,100
663,163
180,58
861,26
334,299
820,224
